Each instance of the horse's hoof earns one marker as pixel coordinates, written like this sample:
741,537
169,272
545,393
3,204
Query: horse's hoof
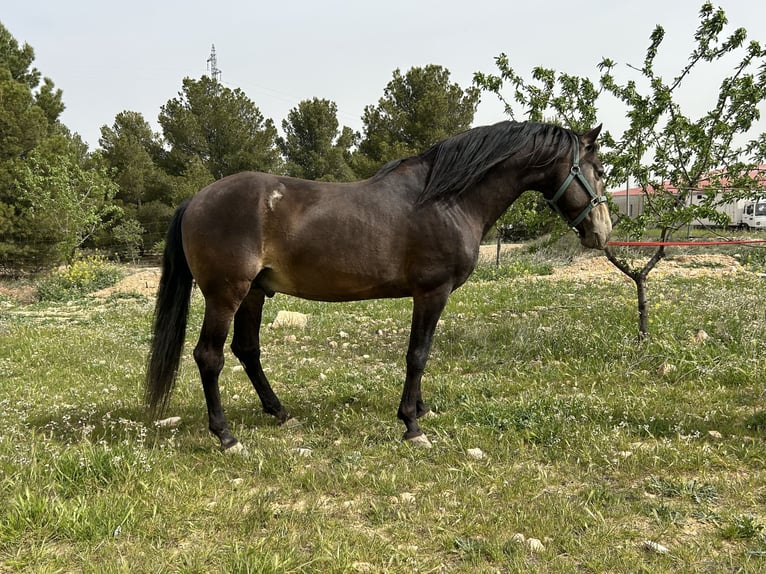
292,423
420,441
236,449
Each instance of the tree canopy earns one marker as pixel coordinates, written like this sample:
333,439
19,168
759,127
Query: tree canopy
313,146
221,127
666,150
418,109
53,196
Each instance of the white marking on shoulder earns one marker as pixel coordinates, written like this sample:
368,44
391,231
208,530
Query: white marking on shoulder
275,196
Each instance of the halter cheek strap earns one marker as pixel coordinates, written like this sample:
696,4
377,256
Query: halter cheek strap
575,173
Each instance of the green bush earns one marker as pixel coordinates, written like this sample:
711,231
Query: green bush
81,277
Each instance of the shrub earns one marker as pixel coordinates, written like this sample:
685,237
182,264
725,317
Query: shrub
81,277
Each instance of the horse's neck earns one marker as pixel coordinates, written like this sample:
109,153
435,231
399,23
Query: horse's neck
495,193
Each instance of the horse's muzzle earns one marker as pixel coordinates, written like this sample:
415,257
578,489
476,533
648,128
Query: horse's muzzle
597,228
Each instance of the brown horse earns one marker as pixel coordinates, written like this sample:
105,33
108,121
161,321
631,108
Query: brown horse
412,230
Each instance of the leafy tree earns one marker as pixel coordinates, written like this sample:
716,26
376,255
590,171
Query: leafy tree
219,126
133,153
313,148
63,199
38,224
130,149
671,154
17,61
666,151
417,109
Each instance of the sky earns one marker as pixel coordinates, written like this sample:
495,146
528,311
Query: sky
108,57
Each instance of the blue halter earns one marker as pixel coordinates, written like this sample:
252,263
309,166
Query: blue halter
575,173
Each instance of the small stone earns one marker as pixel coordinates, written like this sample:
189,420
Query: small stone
407,498
656,547
666,368
237,449
303,451
170,422
535,546
714,434
700,337
518,538
420,441
290,319
475,453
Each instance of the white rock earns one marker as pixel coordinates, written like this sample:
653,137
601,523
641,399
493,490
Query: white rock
714,434
237,449
476,453
170,422
303,451
652,546
407,498
420,441
666,368
290,319
535,545
700,337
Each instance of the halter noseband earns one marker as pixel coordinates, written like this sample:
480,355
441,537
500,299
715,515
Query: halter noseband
575,173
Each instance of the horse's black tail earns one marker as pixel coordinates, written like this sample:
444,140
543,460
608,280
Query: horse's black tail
170,315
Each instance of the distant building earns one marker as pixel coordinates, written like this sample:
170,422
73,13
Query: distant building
631,201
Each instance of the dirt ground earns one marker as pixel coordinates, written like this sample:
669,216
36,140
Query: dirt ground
592,265
143,281
589,266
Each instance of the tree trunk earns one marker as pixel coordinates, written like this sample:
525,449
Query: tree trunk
639,277
643,310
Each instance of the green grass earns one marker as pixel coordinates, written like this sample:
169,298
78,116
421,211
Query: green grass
592,443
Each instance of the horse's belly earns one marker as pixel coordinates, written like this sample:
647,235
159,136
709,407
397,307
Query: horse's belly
331,285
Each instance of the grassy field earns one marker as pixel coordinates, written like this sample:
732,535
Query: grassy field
560,444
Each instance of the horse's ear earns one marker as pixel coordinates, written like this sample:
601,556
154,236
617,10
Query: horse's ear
590,137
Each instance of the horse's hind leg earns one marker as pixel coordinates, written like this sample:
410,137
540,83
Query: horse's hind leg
209,357
246,347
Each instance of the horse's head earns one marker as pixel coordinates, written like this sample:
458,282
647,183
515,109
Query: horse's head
580,199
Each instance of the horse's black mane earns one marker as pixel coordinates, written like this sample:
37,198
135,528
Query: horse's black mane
458,163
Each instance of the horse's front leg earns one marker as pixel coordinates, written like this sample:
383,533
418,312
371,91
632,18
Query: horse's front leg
426,311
